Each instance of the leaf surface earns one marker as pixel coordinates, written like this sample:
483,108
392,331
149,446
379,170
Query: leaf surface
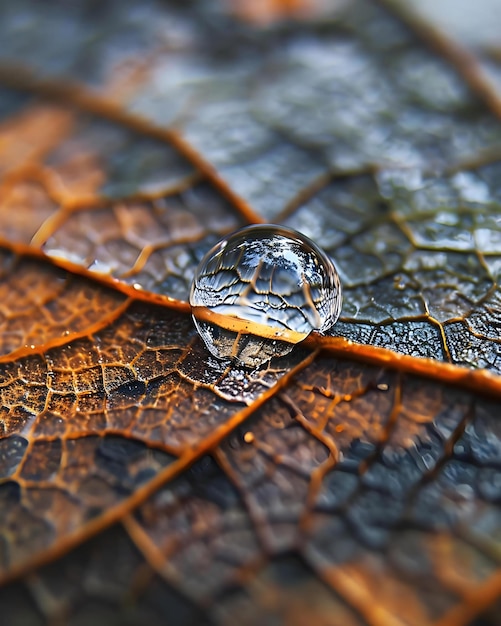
355,481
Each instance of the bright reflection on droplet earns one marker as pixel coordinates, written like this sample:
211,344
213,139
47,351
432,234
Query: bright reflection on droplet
262,290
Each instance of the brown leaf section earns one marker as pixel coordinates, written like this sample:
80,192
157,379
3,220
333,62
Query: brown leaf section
103,581
263,12
24,140
420,277
352,485
354,469
138,377
25,208
100,197
41,305
152,246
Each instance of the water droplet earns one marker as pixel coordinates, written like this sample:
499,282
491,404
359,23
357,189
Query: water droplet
262,290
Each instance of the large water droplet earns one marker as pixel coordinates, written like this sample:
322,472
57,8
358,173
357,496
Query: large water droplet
262,290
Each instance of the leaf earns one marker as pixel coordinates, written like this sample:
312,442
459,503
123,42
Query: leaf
355,481
43,305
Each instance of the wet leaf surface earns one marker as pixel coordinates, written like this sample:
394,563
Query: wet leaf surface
356,481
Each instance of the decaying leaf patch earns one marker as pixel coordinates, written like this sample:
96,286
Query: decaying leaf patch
355,481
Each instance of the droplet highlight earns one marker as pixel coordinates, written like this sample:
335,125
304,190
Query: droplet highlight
262,290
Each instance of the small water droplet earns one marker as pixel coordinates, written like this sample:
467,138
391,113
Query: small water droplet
262,290
249,437
399,283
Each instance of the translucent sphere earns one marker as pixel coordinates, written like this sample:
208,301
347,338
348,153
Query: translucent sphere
262,290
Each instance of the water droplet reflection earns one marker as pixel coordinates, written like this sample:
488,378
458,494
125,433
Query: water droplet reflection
262,290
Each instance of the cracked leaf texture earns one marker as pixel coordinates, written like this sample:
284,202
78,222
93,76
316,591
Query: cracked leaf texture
356,481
